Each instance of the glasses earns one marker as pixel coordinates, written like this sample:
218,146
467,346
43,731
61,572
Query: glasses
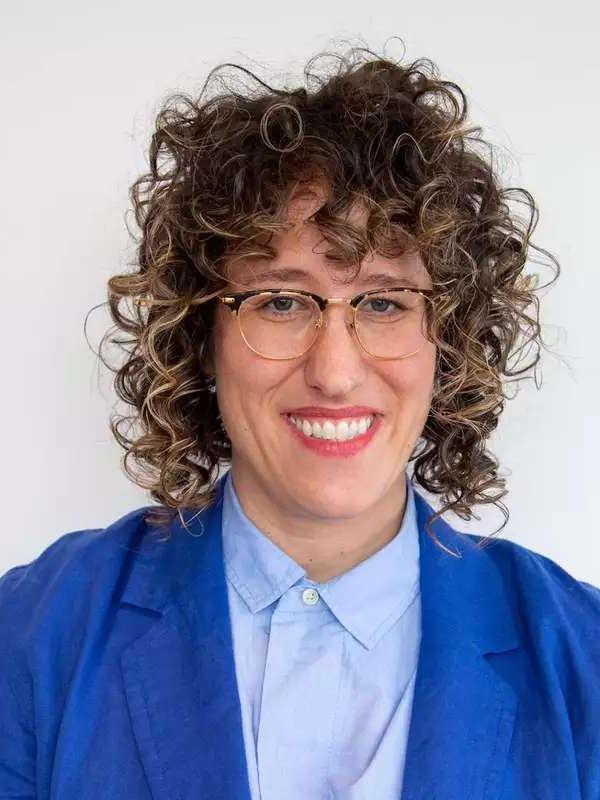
281,325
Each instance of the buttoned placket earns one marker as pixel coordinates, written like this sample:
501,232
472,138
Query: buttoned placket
297,643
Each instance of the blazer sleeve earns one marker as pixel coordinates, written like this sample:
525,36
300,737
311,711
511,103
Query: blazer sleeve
17,734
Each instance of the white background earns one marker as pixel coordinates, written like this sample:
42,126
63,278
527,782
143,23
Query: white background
80,85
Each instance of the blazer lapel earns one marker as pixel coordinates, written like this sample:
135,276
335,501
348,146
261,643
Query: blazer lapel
179,676
463,711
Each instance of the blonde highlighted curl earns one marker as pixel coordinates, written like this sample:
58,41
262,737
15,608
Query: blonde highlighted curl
221,167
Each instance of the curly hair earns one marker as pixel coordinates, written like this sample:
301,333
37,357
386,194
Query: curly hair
221,168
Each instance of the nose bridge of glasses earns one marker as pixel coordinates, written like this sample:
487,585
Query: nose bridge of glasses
346,303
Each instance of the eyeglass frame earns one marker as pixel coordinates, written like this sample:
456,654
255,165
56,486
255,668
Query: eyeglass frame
233,301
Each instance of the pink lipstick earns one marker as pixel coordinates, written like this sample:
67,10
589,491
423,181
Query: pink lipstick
331,447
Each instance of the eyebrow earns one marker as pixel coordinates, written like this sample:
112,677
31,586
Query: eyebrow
291,274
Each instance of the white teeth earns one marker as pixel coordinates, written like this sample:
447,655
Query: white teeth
329,430
317,430
339,430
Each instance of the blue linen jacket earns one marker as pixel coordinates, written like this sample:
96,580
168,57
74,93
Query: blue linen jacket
117,677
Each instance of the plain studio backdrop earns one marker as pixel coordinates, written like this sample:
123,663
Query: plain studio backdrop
80,85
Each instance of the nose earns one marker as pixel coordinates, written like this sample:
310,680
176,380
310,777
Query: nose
335,364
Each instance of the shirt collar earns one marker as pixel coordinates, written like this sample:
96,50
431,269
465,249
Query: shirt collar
367,599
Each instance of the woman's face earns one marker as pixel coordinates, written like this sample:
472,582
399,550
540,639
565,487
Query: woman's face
255,395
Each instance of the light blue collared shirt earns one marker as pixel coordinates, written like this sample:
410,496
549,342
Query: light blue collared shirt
325,671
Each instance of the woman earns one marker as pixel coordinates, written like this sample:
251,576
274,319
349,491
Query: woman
330,288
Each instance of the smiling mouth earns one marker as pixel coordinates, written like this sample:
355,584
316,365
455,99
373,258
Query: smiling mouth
335,430
355,434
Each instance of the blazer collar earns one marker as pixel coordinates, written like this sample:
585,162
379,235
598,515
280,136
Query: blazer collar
180,674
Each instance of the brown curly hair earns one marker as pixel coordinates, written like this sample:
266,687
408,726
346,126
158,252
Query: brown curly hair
221,169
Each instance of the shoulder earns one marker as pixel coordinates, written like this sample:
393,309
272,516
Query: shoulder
558,613
74,572
539,590
54,609
545,582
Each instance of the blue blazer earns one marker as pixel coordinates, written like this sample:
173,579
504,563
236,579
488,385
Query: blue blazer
117,677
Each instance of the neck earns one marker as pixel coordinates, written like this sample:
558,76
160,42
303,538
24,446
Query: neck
324,547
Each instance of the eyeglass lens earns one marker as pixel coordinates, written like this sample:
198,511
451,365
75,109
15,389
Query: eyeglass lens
284,325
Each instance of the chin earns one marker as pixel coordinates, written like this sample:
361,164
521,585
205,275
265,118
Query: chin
337,500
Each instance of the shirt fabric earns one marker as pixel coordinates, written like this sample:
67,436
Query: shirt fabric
325,671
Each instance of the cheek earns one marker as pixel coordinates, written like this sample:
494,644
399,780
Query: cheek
415,376
229,374
245,383
233,360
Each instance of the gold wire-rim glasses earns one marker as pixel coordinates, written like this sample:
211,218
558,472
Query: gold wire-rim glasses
233,301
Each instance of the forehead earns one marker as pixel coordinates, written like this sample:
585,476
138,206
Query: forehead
302,257
374,273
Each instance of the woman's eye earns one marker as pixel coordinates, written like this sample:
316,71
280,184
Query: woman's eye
284,306
382,304
281,303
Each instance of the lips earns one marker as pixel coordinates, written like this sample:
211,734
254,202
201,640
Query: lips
332,447
322,412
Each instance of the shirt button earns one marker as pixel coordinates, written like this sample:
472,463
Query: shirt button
310,597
